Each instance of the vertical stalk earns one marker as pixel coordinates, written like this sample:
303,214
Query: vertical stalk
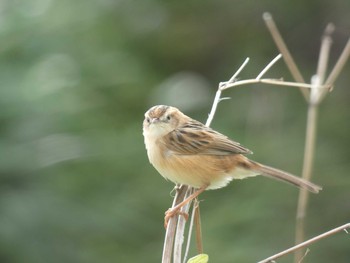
171,229
180,229
313,102
198,228
306,174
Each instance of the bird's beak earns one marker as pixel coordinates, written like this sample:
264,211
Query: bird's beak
155,120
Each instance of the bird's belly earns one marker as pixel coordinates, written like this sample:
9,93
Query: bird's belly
200,170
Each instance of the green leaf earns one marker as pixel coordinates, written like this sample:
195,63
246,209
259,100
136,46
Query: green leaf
201,258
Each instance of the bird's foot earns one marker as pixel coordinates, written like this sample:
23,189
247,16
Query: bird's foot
171,212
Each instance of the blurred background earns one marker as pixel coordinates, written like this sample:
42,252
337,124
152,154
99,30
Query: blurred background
76,78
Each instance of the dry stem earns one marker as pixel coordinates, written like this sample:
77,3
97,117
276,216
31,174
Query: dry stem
197,218
171,229
218,92
180,229
190,230
338,66
307,171
306,243
284,51
274,82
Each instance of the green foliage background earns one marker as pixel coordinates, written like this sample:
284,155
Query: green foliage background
76,78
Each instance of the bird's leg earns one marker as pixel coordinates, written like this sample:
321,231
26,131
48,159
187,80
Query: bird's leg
176,209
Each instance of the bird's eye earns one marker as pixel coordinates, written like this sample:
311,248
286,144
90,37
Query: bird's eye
148,120
168,117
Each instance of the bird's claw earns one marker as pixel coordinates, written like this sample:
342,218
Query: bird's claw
171,213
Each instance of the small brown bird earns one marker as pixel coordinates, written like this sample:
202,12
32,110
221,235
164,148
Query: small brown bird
185,151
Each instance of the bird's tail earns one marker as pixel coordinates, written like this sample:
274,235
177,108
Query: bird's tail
284,176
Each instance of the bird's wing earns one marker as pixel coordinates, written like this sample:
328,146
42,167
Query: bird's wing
196,138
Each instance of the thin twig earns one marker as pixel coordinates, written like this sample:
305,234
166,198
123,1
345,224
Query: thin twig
324,52
338,67
213,108
306,243
239,70
322,64
288,59
269,66
218,92
304,256
273,82
190,231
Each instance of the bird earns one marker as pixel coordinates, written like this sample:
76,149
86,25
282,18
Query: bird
187,152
